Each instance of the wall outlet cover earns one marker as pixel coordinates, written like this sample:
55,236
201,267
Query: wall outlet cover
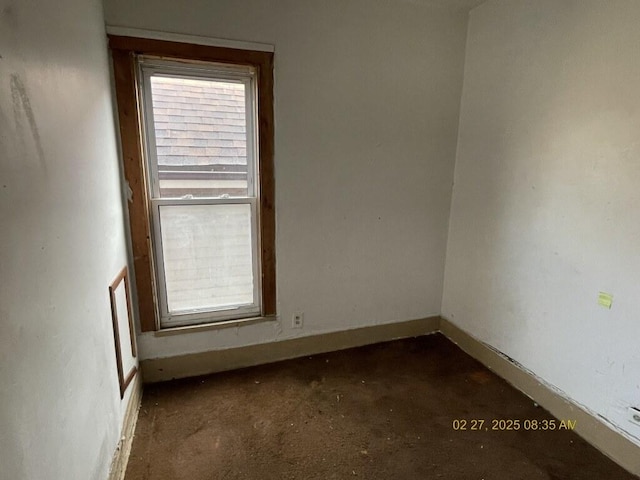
297,320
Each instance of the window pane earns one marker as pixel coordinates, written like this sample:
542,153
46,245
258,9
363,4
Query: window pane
207,256
201,137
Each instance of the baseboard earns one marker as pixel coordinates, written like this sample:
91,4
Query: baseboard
161,369
590,427
121,455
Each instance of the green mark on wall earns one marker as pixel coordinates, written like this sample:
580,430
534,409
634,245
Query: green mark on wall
605,299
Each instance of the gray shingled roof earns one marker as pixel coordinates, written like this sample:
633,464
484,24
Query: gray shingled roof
199,122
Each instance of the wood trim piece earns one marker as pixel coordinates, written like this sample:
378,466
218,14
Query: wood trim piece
589,425
123,380
267,185
131,140
189,365
187,38
188,51
123,50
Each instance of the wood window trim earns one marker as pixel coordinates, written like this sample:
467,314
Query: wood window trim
123,51
123,380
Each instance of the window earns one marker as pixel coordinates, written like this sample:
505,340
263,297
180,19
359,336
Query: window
199,125
196,124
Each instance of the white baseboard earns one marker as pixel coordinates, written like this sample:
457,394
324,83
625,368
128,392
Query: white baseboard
589,426
189,365
121,455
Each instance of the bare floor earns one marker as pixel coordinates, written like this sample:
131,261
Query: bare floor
385,411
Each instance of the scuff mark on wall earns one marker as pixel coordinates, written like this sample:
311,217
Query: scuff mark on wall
21,102
7,14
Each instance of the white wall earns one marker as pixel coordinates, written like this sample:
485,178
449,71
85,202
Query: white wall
545,210
367,100
61,243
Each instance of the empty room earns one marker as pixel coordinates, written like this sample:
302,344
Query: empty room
304,239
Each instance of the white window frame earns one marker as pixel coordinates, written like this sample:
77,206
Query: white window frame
153,66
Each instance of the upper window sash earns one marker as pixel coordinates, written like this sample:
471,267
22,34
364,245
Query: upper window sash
153,67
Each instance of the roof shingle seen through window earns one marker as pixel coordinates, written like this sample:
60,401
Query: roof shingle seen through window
199,122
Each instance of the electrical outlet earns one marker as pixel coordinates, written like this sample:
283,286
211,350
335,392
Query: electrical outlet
297,320
634,415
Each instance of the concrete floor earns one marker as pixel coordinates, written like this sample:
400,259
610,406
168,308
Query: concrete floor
379,412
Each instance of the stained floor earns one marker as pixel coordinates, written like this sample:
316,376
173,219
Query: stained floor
385,411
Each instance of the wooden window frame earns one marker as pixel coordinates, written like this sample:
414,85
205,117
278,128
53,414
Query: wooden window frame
124,51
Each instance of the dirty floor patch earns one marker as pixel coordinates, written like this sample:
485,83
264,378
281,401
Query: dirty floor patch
385,411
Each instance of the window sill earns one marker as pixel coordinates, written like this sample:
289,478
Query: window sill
238,322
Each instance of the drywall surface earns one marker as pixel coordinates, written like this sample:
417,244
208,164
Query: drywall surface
61,243
545,209
367,99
